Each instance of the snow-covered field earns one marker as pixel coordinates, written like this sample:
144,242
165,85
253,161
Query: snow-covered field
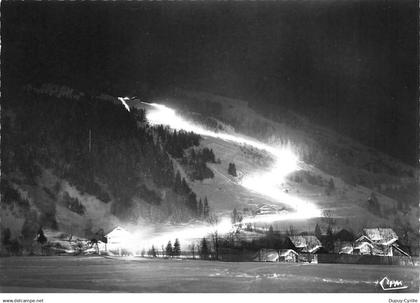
99,274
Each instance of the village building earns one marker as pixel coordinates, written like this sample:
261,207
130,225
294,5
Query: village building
306,244
268,255
378,241
365,248
343,242
265,209
288,255
274,255
118,241
343,247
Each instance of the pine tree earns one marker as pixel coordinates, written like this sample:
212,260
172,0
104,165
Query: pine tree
232,169
185,188
330,187
200,209
41,237
30,226
153,251
177,248
329,240
204,250
193,250
291,231
373,204
192,202
6,236
206,209
212,157
169,251
317,231
234,216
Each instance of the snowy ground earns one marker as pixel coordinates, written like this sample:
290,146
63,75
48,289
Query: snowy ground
98,274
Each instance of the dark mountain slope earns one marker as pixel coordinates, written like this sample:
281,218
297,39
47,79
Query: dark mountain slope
65,151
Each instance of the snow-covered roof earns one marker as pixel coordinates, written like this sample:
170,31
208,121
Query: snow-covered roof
267,209
383,236
314,249
309,243
343,247
117,232
286,252
346,250
361,244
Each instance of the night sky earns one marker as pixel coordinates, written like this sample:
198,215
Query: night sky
349,65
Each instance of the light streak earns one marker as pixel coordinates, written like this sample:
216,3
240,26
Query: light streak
266,183
123,101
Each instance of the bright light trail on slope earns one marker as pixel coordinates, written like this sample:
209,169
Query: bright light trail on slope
123,101
264,183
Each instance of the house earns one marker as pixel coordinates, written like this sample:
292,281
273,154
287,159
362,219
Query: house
343,247
364,248
306,244
343,242
268,255
273,255
377,241
265,209
288,255
119,241
380,236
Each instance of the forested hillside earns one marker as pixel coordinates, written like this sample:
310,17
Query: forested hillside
97,147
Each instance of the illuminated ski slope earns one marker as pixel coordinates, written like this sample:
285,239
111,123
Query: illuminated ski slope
265,183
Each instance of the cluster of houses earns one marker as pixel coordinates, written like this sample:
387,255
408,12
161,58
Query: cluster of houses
282,248
373,241
118,241
306,248
293,249
370,241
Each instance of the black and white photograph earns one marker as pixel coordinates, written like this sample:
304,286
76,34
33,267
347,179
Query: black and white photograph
209,147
